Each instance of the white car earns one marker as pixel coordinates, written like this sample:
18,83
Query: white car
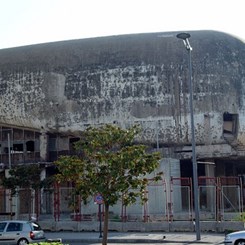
235,238
19,232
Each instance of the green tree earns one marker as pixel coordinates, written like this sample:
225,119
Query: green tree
110,163
26,177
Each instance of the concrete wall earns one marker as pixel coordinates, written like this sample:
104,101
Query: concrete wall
141,78
179,226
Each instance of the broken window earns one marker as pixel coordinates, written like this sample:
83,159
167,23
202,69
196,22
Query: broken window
230,122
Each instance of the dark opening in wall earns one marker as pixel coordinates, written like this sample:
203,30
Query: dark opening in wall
73,140
18,148
30,146
71,143
6,150
186,168
230,123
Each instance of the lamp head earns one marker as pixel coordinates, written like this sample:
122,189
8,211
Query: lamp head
183,35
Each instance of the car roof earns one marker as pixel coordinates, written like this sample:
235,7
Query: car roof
19,221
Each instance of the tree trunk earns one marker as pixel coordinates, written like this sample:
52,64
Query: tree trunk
106,221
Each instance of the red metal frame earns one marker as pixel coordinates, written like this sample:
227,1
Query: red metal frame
56,201
180,181
227,181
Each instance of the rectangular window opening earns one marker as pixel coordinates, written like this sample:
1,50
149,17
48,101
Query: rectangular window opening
17,148
230,122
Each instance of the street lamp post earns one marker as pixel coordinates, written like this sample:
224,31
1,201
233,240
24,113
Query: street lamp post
185,37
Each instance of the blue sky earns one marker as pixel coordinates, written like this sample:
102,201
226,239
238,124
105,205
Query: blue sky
25,22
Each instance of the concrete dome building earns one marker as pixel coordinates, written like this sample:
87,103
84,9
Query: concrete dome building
50,92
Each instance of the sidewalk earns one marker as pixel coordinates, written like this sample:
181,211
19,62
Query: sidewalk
138,237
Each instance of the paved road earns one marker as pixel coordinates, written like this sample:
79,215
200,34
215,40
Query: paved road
154,238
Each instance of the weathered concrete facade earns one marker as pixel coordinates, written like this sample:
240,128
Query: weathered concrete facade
64,86
60,88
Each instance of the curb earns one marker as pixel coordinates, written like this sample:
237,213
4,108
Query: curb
123,241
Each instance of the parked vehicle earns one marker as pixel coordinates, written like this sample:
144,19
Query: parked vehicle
19,232
235,238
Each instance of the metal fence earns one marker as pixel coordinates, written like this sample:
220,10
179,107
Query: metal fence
219,199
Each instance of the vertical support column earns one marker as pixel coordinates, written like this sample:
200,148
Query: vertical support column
56,201
33,214
44,147
209,172
11,202
43,208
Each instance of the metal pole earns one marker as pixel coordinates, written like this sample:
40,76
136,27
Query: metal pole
100,221
9,151
184,37
194,162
